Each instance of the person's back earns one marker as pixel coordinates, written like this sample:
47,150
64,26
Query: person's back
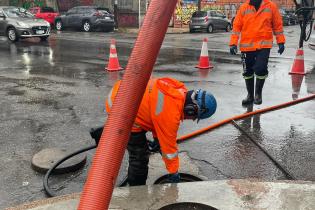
158,92
165,103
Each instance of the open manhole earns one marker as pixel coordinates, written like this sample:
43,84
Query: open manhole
187,206
183,178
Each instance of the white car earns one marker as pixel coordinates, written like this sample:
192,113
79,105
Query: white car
311,42
16,23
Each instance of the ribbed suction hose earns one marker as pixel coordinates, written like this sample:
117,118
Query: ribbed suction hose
98,189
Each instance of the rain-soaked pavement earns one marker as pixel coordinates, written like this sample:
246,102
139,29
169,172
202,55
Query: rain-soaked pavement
52,93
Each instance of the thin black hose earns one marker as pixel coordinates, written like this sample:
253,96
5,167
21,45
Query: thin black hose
51,193
48,190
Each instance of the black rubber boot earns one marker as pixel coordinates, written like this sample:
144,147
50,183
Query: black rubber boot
138,159
258,91
250,92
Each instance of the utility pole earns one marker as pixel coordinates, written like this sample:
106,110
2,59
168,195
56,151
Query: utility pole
116,13
199,5
139,17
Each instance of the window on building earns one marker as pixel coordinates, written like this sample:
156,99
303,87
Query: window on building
125,4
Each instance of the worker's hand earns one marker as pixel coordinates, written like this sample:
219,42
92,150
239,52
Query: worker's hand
281,48
154,145
233,49
174,178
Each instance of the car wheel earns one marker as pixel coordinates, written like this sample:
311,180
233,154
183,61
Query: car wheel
58,25
86,26
210,28
12,35
43,38
228,28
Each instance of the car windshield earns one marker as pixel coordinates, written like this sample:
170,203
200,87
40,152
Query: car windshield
17,12
199,14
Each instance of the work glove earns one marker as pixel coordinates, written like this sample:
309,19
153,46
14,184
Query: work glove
154,145
233,49
281,48
174,178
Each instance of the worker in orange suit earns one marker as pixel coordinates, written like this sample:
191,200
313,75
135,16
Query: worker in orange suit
165,103
256,22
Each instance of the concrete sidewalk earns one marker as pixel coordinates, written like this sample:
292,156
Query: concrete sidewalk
223,195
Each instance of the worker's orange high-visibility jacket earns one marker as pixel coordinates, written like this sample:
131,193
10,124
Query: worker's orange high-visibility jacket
160,112
256,28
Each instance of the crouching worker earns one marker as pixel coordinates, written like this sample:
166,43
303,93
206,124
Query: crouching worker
165,103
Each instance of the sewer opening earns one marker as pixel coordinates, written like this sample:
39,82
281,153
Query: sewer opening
187,206
183,178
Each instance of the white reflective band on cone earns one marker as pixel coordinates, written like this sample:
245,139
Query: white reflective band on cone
204,49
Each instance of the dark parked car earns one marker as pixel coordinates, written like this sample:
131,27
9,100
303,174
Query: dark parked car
288,17
16,23
86,18
209,20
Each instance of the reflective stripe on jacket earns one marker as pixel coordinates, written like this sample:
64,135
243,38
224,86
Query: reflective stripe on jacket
257,28
160,112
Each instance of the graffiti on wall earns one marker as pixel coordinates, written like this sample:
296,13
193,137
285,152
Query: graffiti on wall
184,11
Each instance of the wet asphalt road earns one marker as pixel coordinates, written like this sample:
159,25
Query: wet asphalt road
52,93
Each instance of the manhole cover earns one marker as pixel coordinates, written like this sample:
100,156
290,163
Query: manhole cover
46,158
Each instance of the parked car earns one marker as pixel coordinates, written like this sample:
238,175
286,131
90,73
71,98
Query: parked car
86,18
46,13
288,17
209,20
16,23
311,42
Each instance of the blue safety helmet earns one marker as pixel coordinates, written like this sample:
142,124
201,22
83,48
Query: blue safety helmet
207,104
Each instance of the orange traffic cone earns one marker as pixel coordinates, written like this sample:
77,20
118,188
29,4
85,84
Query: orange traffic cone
298,64
296,85
113,63
204,62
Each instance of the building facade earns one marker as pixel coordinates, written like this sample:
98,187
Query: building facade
131,15
185,8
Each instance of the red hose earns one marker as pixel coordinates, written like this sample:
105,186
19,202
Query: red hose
98,189
238,117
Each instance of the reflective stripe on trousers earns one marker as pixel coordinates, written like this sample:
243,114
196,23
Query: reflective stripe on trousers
170,156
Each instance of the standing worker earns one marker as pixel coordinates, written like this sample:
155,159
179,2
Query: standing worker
256,21
165,103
